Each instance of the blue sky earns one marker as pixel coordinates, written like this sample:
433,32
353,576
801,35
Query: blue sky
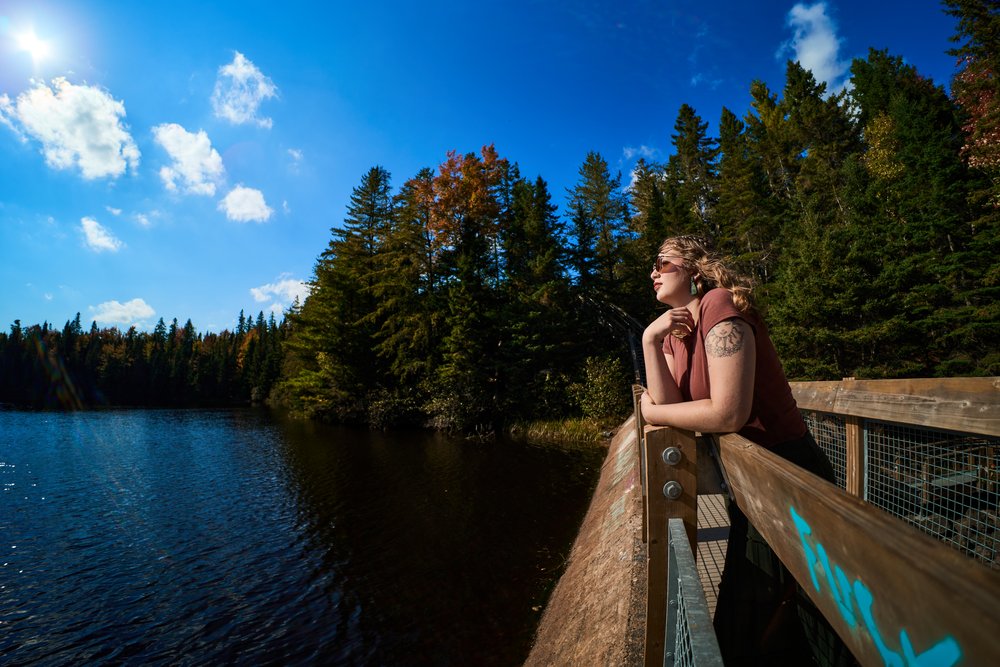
188,159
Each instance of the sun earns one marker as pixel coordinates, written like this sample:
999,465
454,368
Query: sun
37,48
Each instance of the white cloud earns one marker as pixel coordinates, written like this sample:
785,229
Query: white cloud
245,205
815,44
633,179
239,91
285,290
98,237
296,156
77,126
48,296
285,207
700,78
7,114
642,151
195,162
130,312
113,211
143,219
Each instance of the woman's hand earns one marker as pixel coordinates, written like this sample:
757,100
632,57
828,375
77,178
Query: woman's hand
645,402
676,322
730,347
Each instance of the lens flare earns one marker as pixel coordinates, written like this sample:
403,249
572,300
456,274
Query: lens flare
37,48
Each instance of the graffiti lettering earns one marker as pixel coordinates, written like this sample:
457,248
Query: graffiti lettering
855,604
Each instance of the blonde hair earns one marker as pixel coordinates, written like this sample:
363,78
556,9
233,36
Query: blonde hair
699,257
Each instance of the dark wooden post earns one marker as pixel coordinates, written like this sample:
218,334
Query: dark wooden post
672,471
855,457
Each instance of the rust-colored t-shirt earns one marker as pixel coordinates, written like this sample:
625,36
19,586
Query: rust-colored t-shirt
774,417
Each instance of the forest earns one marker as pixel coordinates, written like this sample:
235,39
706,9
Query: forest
43,366
464,299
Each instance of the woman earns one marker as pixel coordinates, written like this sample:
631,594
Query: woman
711,367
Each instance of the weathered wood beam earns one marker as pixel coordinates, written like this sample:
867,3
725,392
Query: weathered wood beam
970,405
895,595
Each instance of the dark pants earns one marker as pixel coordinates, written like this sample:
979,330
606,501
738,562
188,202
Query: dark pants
763,617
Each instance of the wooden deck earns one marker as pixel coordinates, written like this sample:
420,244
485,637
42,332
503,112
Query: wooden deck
713,533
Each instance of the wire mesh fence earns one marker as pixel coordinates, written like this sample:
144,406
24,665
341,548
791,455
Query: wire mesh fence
690,637
943,483
946,484
830,433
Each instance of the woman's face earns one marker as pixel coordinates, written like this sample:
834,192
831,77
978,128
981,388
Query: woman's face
670,278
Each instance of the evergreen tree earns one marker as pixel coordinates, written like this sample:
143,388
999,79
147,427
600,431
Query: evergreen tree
747,219
534,351
693,170
647,197
600,216
976,89
919,193
332,365
466,217
817,293
409,305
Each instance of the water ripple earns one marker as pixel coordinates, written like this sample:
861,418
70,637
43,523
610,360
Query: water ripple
203,537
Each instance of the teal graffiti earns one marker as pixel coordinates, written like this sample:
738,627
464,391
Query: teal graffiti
855,601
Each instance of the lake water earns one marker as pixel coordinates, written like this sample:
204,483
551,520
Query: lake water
199,537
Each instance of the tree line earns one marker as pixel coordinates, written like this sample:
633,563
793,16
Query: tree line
464,299
173,365
867,217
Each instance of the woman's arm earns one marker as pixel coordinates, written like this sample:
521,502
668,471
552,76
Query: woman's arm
732,357
659,366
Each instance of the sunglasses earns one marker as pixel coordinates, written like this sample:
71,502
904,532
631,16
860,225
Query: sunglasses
661,265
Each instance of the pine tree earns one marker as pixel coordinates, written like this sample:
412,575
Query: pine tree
693,169
746,216
921,191
817,290
647,197
466,217
534,353
409,305
332,365
976,89
600,216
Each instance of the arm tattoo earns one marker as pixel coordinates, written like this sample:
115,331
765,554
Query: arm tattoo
725,339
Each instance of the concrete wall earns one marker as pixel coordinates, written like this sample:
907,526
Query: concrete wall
596,614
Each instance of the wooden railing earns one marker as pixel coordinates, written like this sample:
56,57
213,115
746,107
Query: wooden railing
894,595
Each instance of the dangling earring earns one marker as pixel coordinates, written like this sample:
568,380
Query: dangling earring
694,288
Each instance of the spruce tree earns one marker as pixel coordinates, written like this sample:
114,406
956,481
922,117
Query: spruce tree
600,213
466,218
745,214
693,169
409,305
920,189
332,365
534,352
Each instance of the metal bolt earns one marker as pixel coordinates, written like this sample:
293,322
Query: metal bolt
671,456
673,490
